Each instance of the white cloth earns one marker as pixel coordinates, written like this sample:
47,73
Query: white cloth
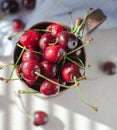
56,10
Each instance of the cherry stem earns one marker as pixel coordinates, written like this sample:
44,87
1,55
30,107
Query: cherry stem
71,21
4,65
15,65
42,30
78,64
81,97
27,92
83,22
44,77
28,49
84,44
24,111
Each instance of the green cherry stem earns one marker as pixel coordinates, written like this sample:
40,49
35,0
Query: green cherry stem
28,49
44,77
81,97
15,65
78,64
23,110
84,44
4,65
83,22
27,92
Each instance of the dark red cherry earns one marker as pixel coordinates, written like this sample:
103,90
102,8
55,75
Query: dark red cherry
48,69
109,67
70,70
17,25
29,4
48,88
28,69
9,6
55,29
30,39
30,55
45,40
54,53
40,118
67,40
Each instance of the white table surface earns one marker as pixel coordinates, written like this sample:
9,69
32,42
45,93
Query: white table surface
66,111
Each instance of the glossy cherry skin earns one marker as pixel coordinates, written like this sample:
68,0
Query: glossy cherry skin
29,4
67,40
54,53
48,69
28,69
30,55
30,38
40,118
9,6
17,25
48,88
70,70
55,29
45,40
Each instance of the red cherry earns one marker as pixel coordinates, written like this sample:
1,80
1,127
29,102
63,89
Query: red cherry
29,4
48,69
45,40
67,40
28,69
40,118
70,70
48,88
54,53
30,38
17,25
55,29
29,55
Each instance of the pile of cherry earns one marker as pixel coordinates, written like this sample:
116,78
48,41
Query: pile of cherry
49,58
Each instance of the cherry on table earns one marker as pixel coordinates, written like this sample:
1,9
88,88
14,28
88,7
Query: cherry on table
9,6
17,25
28,4
108,67
40,118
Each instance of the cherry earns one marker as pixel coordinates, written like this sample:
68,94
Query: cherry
67,40
45,40
48,69
28,69
17,25
55,29
28,4
30,55
9,6
54,53
70,70
109,67
30,38
40,118
48,88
